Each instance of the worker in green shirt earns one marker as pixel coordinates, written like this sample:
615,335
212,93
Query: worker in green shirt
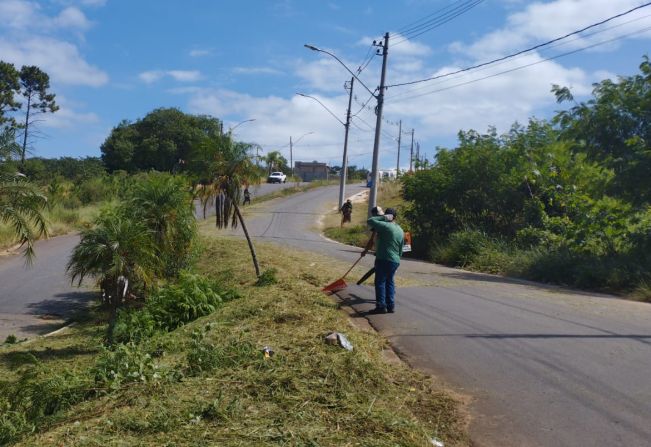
388,250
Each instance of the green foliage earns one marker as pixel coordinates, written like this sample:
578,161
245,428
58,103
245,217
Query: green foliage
164,204
21,206
613,128
162,141
193,296
127,363
11,339
568,204
267,278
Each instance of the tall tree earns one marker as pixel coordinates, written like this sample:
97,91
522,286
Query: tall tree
9,86
231,168
34,84
162,140
614,129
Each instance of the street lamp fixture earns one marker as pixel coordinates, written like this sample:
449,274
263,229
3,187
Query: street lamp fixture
313,48
230,131
322,105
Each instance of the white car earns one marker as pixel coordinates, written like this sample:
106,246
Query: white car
277,177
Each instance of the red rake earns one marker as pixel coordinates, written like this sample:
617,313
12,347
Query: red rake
339,284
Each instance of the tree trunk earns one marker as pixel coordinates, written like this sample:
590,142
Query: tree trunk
248,240
22,155
114,313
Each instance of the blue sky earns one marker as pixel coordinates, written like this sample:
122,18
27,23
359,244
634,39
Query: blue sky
111,60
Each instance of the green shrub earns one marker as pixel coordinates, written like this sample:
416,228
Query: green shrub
460,248
134,325
193,296
11,339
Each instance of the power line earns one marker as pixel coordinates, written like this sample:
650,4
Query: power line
559,44
438,21
526,66
522,51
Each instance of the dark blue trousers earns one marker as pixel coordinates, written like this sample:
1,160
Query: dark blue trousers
385,288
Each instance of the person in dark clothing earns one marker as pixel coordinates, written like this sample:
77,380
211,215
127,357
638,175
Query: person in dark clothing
346,211
247,197
388,250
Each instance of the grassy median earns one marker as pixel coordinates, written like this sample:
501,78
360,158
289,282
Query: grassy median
307,394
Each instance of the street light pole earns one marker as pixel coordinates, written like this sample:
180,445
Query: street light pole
372,199
399,139
230,130
291,161
344,164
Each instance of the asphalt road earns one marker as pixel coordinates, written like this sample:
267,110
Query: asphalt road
543,366
38,299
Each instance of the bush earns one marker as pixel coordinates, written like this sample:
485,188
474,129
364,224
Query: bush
460,248
134,325
193,296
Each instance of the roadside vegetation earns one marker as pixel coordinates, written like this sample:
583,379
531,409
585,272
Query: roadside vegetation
199,372
565,201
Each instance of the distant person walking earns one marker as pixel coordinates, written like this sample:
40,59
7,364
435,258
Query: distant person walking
346,211
388,250
247,197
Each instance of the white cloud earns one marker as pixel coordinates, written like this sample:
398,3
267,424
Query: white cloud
256,70
185,75
149,77
61,60
539,22
23,15
200,53
72,18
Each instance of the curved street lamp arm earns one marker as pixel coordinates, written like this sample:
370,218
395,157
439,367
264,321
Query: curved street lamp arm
313,48
324,106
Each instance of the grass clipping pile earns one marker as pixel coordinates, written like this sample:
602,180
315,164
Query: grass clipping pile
307,394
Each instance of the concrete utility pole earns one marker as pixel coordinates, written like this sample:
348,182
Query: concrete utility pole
375,174
418,154
291,161
399,138
343,175
411,152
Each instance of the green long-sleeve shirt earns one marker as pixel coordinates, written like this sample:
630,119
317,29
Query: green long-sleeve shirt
390,239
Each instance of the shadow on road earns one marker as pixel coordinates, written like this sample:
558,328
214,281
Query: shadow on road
64,305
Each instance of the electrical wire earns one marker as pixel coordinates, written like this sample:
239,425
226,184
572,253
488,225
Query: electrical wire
544,44
438,21
497,64
524,66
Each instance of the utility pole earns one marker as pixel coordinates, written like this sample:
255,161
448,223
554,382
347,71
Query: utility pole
411,152
257,156
291,161
344,164
375,175
399,138
418,154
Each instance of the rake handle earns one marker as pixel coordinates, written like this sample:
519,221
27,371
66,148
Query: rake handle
352,267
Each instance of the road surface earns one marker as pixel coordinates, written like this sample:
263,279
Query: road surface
544,366
38,299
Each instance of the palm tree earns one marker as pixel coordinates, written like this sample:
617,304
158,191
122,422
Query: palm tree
232,167
164,204
120,253
21,206
274,160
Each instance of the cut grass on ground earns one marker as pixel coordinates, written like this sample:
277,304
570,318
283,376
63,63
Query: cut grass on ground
307,394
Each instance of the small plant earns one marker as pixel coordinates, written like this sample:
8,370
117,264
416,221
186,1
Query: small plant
201,356
11,339
267,278
124,364
219,409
